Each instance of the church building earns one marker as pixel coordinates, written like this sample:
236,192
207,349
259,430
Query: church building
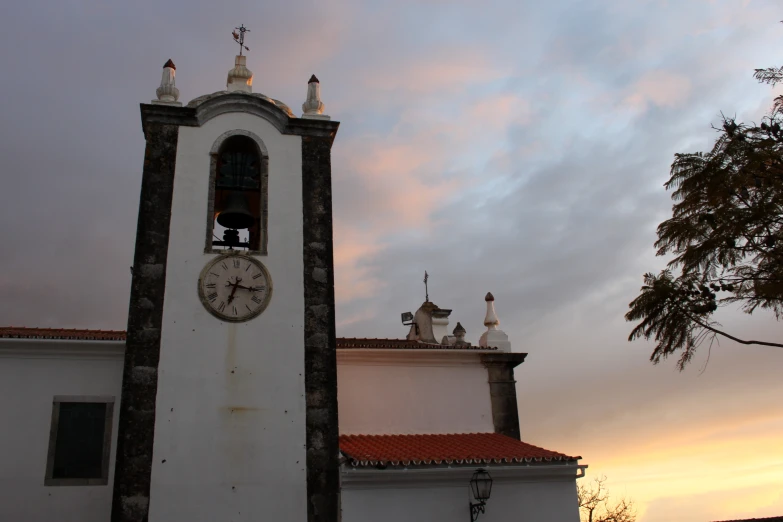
229,397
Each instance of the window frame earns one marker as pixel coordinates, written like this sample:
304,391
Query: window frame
107,438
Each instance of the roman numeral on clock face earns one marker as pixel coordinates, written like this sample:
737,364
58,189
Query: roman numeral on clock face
236,263
257,275
255,299
221,306
212,297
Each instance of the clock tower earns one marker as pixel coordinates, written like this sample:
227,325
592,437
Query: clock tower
229,394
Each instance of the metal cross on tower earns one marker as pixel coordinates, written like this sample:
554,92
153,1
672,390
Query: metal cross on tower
240,38
426,290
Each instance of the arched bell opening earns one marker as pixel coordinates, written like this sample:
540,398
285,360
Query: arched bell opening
237,216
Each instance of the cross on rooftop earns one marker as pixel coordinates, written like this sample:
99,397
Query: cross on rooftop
240,38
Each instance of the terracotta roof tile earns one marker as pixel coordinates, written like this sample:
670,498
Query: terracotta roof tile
462,448
61,333
119,335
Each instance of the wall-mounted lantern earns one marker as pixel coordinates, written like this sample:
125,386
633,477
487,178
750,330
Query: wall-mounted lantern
481,487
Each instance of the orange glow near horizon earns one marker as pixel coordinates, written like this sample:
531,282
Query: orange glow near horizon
726,469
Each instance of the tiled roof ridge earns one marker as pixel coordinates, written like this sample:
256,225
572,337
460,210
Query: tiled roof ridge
768,519
446,448
23,332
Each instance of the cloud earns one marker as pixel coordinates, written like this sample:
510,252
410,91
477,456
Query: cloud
501,111
662,88
447,71
353,278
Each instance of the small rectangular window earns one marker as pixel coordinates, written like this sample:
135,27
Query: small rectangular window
79,441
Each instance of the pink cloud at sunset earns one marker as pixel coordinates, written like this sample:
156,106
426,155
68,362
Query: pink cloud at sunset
662,88
440,72
501,111
352,247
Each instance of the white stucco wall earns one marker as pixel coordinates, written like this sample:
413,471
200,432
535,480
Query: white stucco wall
518,500
412,391
230,421
32,373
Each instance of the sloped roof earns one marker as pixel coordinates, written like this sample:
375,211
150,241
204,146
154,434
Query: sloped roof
456,448
771,519
119,335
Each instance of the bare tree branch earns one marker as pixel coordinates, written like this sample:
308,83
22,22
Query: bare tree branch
595,504
735,339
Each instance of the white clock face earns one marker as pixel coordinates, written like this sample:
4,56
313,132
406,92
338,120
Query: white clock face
235,287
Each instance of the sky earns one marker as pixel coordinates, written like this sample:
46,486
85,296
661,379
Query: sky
505,146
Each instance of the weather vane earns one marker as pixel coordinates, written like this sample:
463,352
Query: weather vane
240,38
426,291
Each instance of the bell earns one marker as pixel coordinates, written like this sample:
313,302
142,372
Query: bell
236,212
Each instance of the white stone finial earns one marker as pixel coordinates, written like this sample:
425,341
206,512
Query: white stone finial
313,107
491,320
167,93
240,78
493,337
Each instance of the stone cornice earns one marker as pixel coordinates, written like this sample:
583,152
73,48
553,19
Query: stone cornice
61,349
511,359
381,357
202,109
357,478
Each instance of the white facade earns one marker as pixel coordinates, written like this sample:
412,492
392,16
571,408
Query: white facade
412,392
230,400
526,494
32,373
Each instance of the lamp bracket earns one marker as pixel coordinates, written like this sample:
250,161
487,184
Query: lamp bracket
475,509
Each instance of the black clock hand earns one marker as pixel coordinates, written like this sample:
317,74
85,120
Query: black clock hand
251,288
233,291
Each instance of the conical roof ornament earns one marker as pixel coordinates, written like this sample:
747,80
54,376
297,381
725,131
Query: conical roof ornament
313,107
493,337
167,93
459,330
459,336
240,78
491,320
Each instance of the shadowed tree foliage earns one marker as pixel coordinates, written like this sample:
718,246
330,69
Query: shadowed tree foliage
595,506
772,76
726,235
